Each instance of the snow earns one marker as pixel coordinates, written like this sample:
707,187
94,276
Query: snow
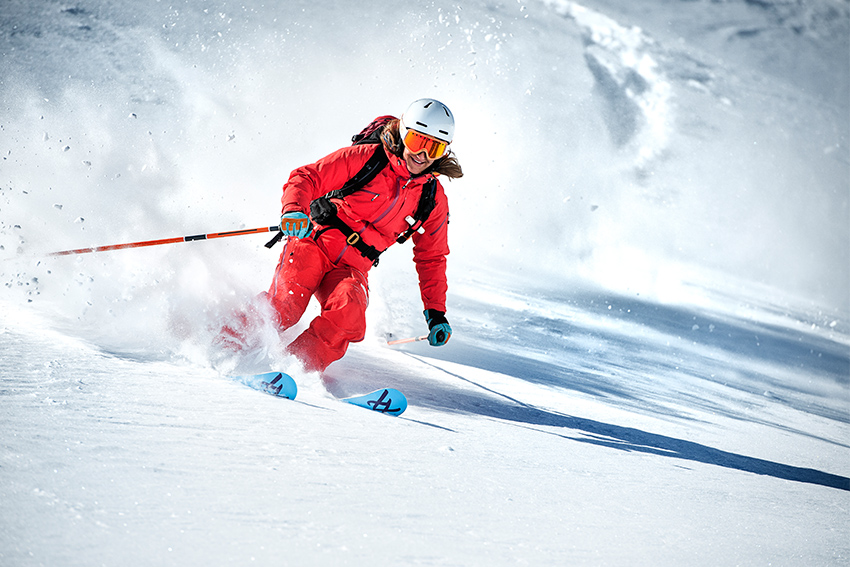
648,286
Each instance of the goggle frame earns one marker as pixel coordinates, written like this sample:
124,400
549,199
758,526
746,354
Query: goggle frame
416,141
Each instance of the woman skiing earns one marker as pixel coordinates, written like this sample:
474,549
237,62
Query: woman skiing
341,212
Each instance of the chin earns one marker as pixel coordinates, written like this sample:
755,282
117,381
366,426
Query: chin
415,168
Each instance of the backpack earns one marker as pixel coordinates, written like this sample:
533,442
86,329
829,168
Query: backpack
322,211
371,134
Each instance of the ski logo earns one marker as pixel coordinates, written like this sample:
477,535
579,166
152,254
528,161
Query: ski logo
277,384
271,388
383,403
385,400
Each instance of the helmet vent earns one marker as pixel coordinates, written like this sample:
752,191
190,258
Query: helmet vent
430,117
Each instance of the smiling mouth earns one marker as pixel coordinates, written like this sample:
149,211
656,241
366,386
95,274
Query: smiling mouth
420,160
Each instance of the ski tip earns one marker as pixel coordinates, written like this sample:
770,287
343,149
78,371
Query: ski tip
385,400
278,384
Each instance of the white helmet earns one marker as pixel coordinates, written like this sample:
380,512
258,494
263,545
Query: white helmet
430,117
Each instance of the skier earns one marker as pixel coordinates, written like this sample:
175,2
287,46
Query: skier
333,241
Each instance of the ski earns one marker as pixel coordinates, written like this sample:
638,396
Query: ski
385,400
277,384
282,385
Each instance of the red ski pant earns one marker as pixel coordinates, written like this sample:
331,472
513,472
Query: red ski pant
343,293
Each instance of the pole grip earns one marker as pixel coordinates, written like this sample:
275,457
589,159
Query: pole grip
275,239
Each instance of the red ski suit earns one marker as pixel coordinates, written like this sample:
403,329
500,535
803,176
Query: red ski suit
325,265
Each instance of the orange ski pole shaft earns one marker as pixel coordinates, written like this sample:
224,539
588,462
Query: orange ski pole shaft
173,240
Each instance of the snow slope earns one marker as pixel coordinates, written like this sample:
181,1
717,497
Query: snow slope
648,286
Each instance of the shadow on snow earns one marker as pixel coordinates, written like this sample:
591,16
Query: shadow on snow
642,355
444,398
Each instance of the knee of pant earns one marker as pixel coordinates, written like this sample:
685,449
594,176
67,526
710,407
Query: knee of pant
350,300
358,326
289,309
352,319
349,293
347,320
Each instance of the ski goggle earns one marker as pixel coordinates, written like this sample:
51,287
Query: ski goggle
417,141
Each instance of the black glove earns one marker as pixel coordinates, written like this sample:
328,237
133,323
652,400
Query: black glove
441,331
322,210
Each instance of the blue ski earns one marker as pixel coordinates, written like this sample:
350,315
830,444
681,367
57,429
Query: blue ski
282,385
385,400
274,383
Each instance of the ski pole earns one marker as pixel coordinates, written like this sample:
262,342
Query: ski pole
176,239
410,340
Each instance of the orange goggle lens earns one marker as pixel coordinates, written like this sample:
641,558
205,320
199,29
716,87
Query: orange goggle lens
417,141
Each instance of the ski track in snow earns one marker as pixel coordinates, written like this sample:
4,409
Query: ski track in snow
620,387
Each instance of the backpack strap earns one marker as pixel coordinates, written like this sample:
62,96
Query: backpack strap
367,173
351,237
323,211
427,201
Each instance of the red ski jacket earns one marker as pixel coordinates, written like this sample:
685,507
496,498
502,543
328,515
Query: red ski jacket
377,212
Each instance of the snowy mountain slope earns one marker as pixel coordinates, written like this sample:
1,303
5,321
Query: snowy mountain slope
648,286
